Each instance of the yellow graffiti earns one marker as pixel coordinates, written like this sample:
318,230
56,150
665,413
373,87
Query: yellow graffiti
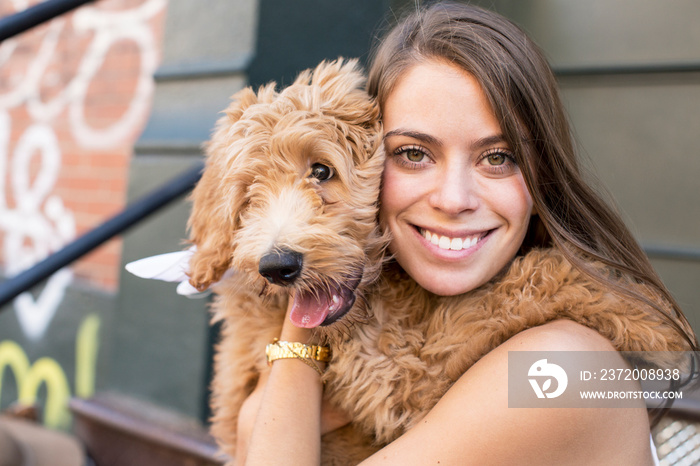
48,372
29,379
86,356
12,356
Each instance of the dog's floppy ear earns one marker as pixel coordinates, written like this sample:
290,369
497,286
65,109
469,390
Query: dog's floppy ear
220,195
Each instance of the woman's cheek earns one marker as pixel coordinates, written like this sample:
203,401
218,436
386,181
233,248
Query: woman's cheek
521,200
510,199
399,189
389,195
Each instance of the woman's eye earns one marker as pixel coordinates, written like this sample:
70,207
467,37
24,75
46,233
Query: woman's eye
321,172
414,155
496,159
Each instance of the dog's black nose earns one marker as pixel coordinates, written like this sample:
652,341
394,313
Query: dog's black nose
281,266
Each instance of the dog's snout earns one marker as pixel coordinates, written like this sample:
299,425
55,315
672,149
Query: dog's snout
281,267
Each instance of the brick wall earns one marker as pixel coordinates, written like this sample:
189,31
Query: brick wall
74,96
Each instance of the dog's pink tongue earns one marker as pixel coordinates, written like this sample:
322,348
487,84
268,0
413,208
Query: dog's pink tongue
309,310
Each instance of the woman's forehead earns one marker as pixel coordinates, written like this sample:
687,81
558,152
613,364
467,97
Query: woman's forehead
437,98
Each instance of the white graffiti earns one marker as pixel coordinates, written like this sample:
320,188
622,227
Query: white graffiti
108,28
32,233
38,223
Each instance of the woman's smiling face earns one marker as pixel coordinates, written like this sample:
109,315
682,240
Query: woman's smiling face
452,196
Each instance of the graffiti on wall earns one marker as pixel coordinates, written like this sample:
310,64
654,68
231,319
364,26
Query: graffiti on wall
107,28
40,223
47,372
48,87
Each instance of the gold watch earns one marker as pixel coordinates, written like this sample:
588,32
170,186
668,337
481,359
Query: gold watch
287,350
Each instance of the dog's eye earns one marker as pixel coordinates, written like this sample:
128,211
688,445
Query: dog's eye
321,172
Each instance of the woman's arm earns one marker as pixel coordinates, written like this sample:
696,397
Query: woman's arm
332,418
473,425
287,428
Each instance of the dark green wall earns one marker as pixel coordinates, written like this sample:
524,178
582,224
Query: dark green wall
293,36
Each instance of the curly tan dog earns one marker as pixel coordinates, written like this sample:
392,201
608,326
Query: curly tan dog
289,201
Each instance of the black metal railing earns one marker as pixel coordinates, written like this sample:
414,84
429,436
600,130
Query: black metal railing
35,15
133,214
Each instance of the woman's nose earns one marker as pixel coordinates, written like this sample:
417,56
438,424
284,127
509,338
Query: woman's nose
454,191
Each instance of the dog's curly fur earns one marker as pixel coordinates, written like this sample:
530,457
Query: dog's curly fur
391,365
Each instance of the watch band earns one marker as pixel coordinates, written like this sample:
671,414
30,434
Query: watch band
287,350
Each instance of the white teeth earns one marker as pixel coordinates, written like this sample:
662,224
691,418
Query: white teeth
445,242
334,303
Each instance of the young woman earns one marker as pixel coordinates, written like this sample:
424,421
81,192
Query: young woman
480,170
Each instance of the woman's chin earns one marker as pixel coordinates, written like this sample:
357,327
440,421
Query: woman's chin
446,285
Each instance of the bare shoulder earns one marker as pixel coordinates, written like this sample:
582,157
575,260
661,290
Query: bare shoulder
558,335
473,424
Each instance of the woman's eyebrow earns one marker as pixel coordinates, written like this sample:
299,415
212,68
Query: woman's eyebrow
425,138
428,139
488,141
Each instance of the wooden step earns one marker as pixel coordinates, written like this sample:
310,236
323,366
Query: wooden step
118,430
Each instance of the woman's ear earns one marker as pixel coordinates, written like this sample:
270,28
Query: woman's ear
219,196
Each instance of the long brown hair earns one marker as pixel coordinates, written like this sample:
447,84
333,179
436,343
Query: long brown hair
524,96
